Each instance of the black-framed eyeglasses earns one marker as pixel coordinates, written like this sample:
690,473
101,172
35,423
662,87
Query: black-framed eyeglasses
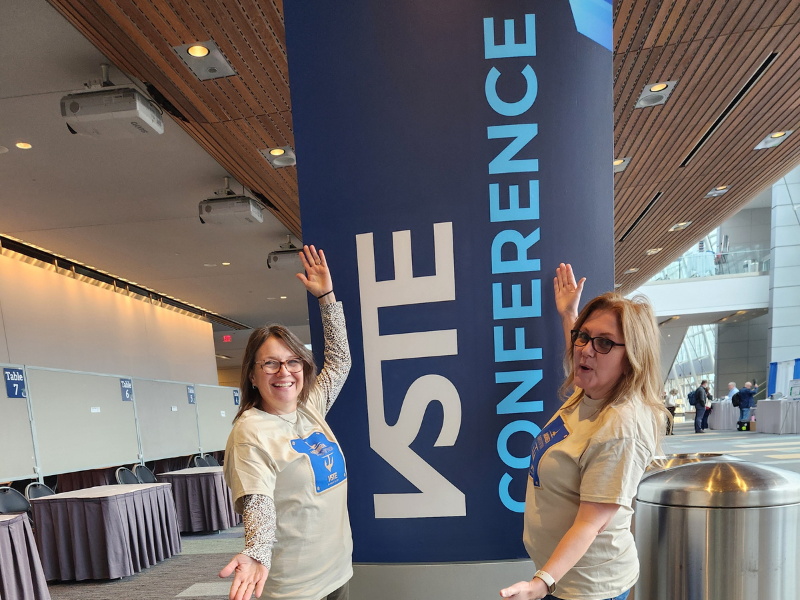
600,344
272,366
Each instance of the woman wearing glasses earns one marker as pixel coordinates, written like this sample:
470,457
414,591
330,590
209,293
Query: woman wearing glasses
283,463
586,463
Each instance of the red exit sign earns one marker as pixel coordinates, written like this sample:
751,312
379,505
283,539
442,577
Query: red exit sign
227,338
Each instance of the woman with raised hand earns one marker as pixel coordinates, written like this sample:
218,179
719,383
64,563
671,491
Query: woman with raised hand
586,463
283,463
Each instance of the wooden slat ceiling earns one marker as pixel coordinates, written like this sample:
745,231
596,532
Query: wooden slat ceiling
710,47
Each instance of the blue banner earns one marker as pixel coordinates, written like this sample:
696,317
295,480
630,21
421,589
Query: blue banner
450,155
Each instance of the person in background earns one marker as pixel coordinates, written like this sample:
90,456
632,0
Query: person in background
709,408
669,402
587,462
700,406
746,403
732,389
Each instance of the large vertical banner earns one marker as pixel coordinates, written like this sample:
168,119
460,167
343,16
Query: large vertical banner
450,155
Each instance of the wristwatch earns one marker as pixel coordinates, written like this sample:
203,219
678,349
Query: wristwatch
548,580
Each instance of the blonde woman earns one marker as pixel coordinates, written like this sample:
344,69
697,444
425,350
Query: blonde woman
586,463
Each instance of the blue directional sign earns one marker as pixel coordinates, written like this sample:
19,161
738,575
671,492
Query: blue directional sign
15,383
190,394
236,397
126,385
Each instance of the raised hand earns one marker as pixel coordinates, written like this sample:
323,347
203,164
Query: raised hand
317,277
250,577
568,293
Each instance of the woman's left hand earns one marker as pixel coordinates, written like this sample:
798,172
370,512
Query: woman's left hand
526,590
317,277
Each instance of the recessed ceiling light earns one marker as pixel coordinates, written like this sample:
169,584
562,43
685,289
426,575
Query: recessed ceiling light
23,145
226,264
653,251
268,298
197,51
773,139
209,264
620,164
3,149
654,94
631,270
717,191
205,60
283,297
617,285
222,356
740,312
283,156
680,226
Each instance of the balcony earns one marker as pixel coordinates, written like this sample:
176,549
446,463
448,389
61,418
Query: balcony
707,264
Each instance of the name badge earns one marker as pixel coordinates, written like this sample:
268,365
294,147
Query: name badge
327,460
551,435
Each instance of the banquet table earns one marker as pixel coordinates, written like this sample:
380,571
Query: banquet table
21,575
105,532
202,499
724,416
779,416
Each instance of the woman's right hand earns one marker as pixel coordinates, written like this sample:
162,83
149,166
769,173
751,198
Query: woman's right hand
568,293
250,577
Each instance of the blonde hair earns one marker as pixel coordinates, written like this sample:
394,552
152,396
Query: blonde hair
642,376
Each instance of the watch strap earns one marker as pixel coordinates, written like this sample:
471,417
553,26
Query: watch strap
548,580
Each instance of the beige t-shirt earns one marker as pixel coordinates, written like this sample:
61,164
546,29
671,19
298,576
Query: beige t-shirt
302,468
583,454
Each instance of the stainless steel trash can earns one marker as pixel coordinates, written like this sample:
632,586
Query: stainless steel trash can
719,530
669,461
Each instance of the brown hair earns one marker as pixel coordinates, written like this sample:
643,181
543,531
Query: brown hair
642,354
250,395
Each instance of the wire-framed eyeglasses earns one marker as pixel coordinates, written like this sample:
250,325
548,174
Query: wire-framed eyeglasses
601,345
272,366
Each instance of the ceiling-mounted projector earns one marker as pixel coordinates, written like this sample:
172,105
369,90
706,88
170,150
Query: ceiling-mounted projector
286,258
112,112
231,209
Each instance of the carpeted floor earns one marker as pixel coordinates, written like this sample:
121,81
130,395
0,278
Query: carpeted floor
191,574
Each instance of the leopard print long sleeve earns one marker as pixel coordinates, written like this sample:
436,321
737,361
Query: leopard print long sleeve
259,528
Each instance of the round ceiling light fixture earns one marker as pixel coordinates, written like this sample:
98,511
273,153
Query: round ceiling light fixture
721,188
23,145
198,51
658,87
277,152
618,162
777,134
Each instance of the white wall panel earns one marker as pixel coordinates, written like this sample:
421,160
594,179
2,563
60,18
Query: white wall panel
165,432
215,412
81,421
17,460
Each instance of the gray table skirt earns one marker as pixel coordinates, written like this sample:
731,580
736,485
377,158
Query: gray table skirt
106,532
202,499
724,416
21,575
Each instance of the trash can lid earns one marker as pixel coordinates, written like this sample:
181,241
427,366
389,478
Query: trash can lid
721,484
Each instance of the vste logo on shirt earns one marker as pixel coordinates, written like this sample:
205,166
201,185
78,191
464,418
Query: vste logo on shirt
551,435
327,460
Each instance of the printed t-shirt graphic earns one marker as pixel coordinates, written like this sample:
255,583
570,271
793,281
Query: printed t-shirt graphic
327,460
556,431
